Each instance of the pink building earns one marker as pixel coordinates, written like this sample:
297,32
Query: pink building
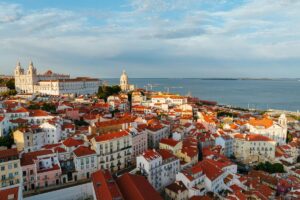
40,169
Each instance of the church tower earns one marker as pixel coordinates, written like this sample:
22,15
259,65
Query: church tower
124,81
19,76
282,121
31,78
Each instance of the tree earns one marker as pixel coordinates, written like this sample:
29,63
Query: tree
49,107
106,91
226,114
270,168
34,107
7,141
10,84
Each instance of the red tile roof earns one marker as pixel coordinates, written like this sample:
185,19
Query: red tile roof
151,154
135,187
19,121
265,122
165,154
1,118
83,151
105,187
111,136
71,142
123,120
169,141
8,153
9,194
252,137
38,113
210,170
28,158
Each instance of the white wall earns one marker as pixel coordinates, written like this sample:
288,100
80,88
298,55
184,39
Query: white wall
71,193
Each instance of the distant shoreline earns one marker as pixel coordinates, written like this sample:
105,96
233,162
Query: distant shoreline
226,79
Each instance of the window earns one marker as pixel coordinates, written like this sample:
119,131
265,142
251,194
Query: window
15,165
10,166
2,168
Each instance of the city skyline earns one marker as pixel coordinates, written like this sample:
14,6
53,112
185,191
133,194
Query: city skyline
188,39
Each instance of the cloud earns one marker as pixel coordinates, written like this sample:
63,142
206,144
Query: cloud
156,35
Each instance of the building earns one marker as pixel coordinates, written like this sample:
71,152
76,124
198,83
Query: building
31,138
214,176
139,142
85,160
169,99
4,126
156,131
227,144
10,168
254,148
3,88
160,167
124,83
193,179
113,150
170,144
11,193
105,187
136,187
40,169
176,191
267,127
51,83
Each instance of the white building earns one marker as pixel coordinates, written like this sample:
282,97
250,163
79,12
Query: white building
114,150
169,99
4,126
254,148
267,127
160,167
52,131
52,83
227,144
193,178
155,133
139,142
85,160
124,83
3,89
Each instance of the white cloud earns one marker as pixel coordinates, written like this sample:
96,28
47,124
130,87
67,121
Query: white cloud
259,30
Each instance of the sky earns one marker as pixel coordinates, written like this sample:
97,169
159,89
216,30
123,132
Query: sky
153,38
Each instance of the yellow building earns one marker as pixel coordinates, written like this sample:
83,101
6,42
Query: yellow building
170,144
29,139
10,168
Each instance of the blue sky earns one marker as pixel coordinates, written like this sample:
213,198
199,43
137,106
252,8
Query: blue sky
153,38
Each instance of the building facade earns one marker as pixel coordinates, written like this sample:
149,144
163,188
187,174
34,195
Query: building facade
51,83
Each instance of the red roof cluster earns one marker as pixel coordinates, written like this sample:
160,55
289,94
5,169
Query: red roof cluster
252,137
210,169
169,141
28,158
105,187
111,136
137,188
71,142
38,113
83,151
151,154
7,154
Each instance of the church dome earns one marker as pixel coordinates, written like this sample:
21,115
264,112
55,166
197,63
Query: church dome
124,76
